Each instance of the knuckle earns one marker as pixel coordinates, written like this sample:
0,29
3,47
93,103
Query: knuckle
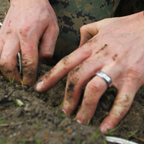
123,102
27,62
90,100
10,33
92,86
24,30
6,66
3,62
83,29
1,41
134,74
57,28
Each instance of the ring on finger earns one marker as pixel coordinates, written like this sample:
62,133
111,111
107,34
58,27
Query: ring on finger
105,77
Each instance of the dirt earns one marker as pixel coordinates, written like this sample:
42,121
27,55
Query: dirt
39,119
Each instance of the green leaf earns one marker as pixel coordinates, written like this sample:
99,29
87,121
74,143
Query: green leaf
16,103
36,140
96,135
131,134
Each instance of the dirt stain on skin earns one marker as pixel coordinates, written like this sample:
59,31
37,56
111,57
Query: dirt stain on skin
70,90
8,71
70,87
65,60
75,79
102,48
93,39
47,75
114,57
9,32
28,73
76,69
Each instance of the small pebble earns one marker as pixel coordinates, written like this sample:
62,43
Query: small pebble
17,112
65,122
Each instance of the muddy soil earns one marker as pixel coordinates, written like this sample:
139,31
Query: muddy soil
39,119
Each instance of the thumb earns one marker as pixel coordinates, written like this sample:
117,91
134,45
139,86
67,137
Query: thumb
88,31
48,41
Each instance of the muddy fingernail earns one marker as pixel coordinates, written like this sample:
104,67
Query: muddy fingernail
104,128
39,86
63,111
78,121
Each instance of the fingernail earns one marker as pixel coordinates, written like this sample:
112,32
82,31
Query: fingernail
39,86
63,111
104,128
78,121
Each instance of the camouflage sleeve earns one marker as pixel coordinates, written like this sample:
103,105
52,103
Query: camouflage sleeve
72,14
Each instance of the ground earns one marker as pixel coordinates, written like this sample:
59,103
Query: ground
40,119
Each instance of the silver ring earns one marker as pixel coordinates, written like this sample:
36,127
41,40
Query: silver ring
105,77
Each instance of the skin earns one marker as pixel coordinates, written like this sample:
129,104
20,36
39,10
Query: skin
114,46
27,22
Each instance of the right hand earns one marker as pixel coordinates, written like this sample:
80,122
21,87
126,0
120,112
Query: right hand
27,22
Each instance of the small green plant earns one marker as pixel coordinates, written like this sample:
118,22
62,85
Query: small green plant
96,135
133,133
40,66
74,119
22,141
110,131
2,121
104,140
59,129
88,122
36,140
3,141
61,105
61,117
37,126
53,109
16,103
21,82
11,81
79,140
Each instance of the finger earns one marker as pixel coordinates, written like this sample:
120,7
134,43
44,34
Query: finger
29,49
121,105
1,47
94,90
77,78
8,60
1,44
62,68
88,31
48,41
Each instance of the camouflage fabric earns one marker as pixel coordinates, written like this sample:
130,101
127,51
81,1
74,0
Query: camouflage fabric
72,14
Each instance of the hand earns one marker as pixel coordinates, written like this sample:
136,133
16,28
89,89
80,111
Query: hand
114,46
26,23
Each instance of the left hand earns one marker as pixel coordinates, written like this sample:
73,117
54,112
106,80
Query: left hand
114,46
